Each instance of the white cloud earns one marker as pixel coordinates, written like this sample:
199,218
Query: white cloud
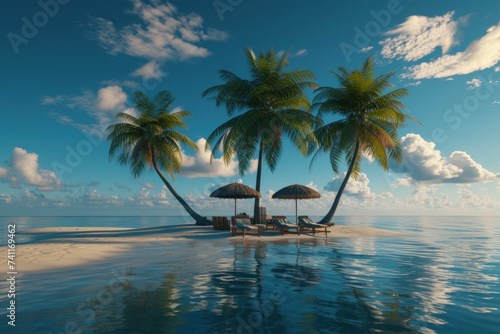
199,164
354,187
110,98
479,55
368,157
474,83
419,36
429,198
424,164
497,69
150,70
301,52
176,110
101,107
145,198
402,183
164,34
414,83
368,48
147,185
496,102
132,112
472,200
312,185
24,169
94,199
51,100
6,198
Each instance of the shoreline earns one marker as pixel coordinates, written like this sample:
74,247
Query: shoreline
55,248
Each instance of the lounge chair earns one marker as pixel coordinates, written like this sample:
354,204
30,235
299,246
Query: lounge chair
243,225
269,222
307,224
308,220
285,226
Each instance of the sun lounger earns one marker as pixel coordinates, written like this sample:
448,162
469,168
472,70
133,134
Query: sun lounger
307,224
270,222
284,226
308,220
242,226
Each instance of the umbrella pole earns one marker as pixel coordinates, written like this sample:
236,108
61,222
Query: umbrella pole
296,214
235,208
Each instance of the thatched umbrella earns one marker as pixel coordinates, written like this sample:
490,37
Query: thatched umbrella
235,190
296,192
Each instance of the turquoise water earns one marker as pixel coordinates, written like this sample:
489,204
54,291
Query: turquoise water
441,278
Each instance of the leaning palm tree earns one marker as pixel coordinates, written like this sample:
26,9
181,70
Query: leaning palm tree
150,140
271,103
368,124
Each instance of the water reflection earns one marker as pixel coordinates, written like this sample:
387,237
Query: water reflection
143,310
417,284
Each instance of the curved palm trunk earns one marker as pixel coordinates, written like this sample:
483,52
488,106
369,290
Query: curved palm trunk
199,219
330,213
256,213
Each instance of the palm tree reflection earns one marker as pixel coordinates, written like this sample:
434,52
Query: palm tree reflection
144,311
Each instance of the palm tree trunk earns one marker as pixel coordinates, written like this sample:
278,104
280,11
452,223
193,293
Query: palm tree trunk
199,219
256,213
330,213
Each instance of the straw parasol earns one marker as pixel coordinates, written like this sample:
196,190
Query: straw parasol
235,190
296,192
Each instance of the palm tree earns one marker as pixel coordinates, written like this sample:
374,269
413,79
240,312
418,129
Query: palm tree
150,140
272,102
370,118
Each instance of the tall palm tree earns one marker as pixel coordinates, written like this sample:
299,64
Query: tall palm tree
150,140
368,124
271,103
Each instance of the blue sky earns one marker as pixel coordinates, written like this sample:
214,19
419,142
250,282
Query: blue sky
70,66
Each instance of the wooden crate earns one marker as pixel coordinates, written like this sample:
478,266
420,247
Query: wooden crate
220,223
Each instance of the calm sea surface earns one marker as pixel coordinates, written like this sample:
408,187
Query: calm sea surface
441,278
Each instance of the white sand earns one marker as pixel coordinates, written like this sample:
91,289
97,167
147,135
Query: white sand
63,247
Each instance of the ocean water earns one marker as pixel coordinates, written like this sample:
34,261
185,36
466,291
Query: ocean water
443,277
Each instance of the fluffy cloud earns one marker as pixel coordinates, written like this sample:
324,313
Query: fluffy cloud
93,198
101,107
429,198
164,34
301,52
479,55
424,164
24,169
150,70
474,83
354,187
147,185
419,36
312,185
472,200
199,165
110,98
5,198
146,198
